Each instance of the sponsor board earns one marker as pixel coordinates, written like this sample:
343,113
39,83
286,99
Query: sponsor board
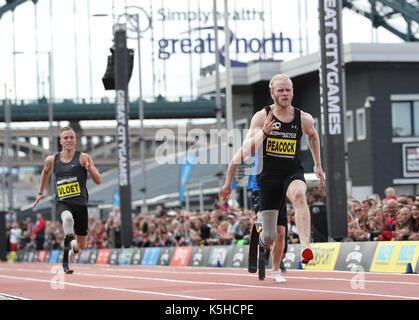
150,256
41,255
355,256
48,256
11,256
325,256
137,255
165,256
237,257
199,256
20,255
292,256
113,256
181,256
103,256
218,256
393,256
93,256
55,255
125,257
32,255
83,256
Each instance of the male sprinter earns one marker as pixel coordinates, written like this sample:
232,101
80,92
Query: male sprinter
280,127
71,197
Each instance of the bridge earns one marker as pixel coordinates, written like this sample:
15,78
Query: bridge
69,110
30,146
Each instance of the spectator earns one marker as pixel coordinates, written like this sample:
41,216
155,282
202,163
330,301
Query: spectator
231,219
205,231
390,193
366,205
216,203
194,232
39,232
224,238
377,224
414,222
390,222
358,213
213,239
15,235
292,227
403,230
10,217
242,229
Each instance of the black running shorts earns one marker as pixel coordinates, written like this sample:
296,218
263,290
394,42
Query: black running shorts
273,190
79,213
282,214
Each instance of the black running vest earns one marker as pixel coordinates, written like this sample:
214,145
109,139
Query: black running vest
70,181
281,148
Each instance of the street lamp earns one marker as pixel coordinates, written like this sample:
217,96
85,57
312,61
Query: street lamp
50,119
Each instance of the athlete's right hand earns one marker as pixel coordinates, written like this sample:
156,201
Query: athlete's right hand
269,122
225,192
38,198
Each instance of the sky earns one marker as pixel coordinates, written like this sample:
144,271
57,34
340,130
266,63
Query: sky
79,65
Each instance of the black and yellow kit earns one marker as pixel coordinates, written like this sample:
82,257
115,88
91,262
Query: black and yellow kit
281,163
70,192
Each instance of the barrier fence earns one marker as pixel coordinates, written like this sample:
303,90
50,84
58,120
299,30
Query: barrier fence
389,256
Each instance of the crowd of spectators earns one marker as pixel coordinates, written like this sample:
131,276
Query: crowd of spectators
372,219
396,217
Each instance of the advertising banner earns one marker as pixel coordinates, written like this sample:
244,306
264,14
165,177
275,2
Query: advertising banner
181,256
199,257
218,256
126,256
150,256
93,256
165,256
355,256
11,256
332,116
185,172
237,257
83,256
114,256
137,256
103,256
393,256
122,132
55,255
325,256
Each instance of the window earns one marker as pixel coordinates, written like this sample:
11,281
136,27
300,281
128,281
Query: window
304,142
401,119
405,118
349,126
361,124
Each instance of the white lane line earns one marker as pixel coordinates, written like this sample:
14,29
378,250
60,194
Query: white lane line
356,293
11,297
64,283
252,275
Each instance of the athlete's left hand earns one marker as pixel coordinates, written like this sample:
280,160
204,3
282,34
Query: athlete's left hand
319,173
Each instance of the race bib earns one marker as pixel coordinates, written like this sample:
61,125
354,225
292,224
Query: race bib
68,188
281,146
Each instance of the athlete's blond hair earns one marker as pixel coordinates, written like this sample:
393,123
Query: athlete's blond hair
67,128
281,76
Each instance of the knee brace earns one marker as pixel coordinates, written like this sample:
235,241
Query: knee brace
269,233
68,222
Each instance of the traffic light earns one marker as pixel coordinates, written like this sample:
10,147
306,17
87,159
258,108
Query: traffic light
109,77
